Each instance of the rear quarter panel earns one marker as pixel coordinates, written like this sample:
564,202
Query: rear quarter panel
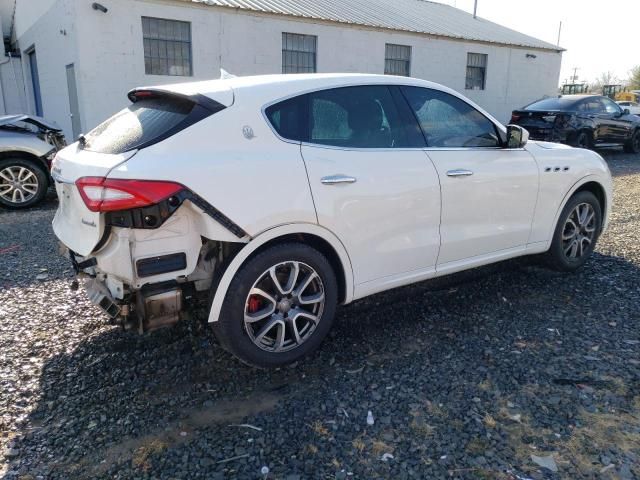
562,171
258,182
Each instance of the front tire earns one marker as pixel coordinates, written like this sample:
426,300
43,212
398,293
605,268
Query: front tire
583,140
279,306
633,145
23,184
576,233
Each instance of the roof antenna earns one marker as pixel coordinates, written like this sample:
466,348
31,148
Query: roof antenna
224,75
475,8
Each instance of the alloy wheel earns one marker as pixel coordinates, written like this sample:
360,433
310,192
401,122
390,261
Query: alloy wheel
284,306
579,231
18,184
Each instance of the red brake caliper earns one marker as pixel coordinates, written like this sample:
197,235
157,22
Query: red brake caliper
254,304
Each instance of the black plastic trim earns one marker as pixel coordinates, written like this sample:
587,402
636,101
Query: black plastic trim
153,217
148,267
103,240
78,267
216,214
197,98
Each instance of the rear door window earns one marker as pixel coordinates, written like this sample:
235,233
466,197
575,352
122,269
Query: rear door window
357,117
592,105
143,123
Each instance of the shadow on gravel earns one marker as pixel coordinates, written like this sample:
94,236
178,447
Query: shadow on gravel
621,163
466,378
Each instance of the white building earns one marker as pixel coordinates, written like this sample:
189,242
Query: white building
79,58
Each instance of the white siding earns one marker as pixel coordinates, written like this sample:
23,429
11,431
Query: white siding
110,58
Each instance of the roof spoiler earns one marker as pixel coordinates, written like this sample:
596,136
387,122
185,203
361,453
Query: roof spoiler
203,101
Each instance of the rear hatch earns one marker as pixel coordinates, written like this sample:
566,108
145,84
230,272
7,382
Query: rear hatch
74,224
539,124
81,170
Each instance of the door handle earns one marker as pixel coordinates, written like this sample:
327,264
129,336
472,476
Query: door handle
337,179
459,173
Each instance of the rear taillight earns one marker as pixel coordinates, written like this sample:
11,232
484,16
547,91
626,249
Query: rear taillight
111,194
514,118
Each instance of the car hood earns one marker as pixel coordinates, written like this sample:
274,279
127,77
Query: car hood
38,121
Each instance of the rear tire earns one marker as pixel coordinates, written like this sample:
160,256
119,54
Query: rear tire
23,183
633,145
576,233
267,324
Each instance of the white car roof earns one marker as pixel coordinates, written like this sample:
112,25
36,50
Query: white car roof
266,89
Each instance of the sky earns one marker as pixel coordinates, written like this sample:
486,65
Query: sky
599,35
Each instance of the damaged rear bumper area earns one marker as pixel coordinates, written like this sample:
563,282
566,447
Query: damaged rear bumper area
145,279
149,308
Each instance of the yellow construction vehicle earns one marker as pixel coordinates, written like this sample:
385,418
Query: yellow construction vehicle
620,93
627,96
612,91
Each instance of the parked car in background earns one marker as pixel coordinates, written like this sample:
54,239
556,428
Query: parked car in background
633,107
27,147
585,121
279,197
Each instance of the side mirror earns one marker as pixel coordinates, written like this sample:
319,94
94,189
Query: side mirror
626,111
517,137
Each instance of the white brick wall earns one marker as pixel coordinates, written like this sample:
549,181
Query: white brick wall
108,52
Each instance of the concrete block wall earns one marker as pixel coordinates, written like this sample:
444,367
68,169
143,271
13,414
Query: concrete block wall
108,52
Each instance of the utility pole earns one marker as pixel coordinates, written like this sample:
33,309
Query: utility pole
475,8
559,33
575,75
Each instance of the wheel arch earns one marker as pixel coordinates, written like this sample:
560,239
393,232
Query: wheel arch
313,235
595,185
28,156
598,191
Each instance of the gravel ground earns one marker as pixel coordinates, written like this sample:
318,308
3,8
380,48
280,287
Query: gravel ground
465,378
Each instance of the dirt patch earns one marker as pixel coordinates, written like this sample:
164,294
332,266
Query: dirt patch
139,450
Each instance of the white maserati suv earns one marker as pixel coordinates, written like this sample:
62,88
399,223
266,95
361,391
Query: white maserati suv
279,197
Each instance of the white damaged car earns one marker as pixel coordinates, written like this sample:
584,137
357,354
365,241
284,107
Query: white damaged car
280,197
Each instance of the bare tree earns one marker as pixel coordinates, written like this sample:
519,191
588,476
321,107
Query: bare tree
634,78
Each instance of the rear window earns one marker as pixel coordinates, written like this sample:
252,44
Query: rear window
143,123
553,104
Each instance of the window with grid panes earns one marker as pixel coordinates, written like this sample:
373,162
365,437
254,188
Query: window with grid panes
476,71
167,47
299,53
397,60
